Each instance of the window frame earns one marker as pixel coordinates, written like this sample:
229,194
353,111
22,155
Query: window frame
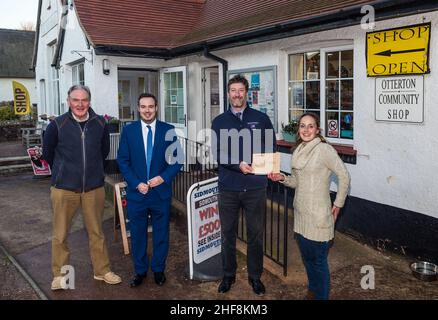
322,87
54,83
77,80
323,78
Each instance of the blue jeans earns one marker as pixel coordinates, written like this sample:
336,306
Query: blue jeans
314,255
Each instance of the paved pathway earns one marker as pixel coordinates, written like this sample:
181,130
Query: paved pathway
26,230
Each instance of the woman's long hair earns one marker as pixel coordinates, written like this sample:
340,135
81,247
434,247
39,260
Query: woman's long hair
316,118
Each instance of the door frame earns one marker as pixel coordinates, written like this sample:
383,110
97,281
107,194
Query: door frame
206,95
181,129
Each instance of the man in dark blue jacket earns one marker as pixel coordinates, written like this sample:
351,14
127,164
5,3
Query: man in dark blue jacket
146,158
240,132
76,145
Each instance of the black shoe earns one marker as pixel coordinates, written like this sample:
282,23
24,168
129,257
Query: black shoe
137,280
257,286
160,278
226,283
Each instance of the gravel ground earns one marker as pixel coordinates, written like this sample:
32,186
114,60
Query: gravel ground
13,286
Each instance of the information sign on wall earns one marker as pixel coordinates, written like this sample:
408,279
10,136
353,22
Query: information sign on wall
400,99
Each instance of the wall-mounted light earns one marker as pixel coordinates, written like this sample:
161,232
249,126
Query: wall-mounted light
105,66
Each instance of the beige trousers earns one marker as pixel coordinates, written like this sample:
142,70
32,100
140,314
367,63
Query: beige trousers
65,204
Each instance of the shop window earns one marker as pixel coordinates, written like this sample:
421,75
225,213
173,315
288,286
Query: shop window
322,82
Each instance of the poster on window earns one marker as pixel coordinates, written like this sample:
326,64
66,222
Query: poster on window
255,81
262,89
332,126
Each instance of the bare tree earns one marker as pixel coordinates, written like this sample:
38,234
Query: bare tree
27,26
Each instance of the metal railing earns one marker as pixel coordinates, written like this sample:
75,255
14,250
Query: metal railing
195,168
114,146
278,204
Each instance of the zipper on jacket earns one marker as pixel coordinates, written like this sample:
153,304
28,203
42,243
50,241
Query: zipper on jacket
83,149
83,154
84,158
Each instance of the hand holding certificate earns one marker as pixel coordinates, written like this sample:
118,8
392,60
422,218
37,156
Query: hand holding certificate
264,163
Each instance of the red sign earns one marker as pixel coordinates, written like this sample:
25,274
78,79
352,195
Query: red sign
40,166
332,128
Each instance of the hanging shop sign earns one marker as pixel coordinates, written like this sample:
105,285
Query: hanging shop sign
398,51
400,99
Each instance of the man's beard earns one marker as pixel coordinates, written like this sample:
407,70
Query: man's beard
238,103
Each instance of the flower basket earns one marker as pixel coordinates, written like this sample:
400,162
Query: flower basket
113,127
289,137
290,130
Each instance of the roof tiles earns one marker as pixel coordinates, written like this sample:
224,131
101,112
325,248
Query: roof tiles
167,24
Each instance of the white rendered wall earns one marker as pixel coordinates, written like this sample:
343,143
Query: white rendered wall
396,163
6,91
43,61
75,50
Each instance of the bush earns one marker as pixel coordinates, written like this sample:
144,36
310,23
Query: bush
7,113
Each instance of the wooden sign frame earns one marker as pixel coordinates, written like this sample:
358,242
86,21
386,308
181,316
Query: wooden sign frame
120,214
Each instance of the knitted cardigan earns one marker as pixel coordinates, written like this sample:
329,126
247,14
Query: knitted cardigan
312,165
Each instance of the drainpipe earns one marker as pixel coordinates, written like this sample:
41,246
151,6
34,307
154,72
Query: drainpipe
224,63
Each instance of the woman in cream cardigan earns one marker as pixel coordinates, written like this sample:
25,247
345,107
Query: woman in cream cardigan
313,162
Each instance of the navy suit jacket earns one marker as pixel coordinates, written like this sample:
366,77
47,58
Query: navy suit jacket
131,159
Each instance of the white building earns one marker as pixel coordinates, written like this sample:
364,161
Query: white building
305,56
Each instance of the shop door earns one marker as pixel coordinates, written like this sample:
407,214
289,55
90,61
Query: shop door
173,102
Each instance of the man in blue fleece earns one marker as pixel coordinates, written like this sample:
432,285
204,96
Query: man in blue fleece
240,132
76,145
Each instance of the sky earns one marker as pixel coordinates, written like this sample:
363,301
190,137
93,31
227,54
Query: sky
13,12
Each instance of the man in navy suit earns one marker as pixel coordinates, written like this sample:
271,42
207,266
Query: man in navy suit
146,158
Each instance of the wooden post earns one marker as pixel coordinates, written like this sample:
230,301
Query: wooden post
121,214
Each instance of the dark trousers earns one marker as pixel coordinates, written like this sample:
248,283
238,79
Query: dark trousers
253,203
314,255
138,225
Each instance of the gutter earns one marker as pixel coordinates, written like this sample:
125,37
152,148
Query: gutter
224,63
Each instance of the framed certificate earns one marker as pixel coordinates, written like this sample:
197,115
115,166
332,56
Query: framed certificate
264,163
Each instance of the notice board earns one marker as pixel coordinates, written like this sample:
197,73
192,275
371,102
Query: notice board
262,91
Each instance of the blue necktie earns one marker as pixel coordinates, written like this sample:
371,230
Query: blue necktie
239,115
149,150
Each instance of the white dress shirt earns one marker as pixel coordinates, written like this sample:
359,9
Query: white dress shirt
144,131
